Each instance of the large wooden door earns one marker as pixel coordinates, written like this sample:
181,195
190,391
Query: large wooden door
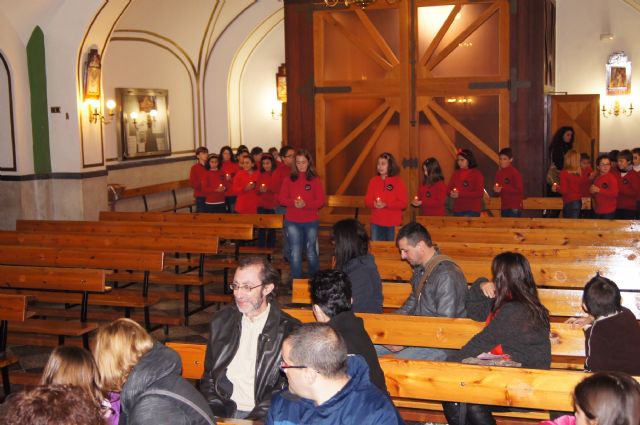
580,111
416,79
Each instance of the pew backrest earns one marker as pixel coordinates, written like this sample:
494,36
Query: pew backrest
50,278
13,307
262,221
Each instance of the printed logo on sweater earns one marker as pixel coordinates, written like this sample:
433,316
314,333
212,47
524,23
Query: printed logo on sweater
307,187
465,183
605,185
389,187
507,181
625,181
428,194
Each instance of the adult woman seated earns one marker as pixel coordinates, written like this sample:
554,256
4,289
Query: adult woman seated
147,374
517,328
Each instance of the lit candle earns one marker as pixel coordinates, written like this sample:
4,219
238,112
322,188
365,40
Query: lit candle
263,185
455,189
226,176
250,182
221,186
378,199
415,197
299,198
497,184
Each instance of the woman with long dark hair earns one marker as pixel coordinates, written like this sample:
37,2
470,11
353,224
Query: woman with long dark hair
351,251
517,326
466,186
432,195
303,195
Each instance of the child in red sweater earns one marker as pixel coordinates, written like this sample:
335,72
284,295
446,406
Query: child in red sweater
196,175
229,168
605,189
214,187
570,185
432,194
267,197
386,197
466,186
636,168
508,185
244,184
629,186
303,195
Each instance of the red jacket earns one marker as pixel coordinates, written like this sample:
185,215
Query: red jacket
512,191
606,199
585,184
197,174
268,199
570,187
393,193
247,201
434,198
231,169
310,191
470,185
210,186
629,186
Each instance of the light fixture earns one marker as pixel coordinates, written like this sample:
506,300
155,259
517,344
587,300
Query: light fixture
459,99
134,117
95,113
606,36
153,114
360,3
617,110
276,111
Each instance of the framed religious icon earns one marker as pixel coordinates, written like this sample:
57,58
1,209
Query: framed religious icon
618,75
144,123
92,75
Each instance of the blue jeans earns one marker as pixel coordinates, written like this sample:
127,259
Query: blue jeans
230,201
382,233
607,216
266,237
415,353
302,236
572,209
201,206
510,213
466,214
286,252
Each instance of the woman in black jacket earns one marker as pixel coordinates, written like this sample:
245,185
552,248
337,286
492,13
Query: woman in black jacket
517,328
147,374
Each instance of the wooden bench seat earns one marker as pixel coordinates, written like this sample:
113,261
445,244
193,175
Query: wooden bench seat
13,308
530,223
155,189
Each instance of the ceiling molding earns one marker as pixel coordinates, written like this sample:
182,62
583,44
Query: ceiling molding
634,3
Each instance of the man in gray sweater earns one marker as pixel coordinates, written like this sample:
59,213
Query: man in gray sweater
439,287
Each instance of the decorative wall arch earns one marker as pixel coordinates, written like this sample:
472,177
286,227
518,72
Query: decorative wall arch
5,66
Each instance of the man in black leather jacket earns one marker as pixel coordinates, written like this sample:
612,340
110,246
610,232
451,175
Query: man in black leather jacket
244,350
442,295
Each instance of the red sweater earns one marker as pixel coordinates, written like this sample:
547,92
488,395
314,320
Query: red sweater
310,191
393,193
434,198
268,199
512,191
629,186
247,202
585,182
607,197
230,168
570,186
281,173
210,186
197,174
470,185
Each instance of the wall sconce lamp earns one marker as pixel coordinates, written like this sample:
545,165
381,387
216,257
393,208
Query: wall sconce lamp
616,110
276,111
134,117
95,114
460,99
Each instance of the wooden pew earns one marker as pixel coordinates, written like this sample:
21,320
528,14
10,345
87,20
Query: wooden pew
12,308
531,223
559,302
200,245
141,260
156,189
34,280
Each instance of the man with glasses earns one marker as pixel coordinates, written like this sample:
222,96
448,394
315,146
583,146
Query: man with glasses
243,352
327,386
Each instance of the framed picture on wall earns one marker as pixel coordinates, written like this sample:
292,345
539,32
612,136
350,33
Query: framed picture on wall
144,123
618,75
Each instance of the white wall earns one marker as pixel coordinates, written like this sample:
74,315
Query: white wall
581,58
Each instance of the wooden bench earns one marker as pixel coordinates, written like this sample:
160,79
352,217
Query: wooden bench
141,260
200,245
494,204
156,189
531,223
12,308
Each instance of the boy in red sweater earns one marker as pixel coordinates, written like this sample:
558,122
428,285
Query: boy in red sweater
508,185
629,185
197,175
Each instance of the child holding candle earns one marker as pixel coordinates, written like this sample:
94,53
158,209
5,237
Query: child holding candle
605,189
229,167
508,185
432,194
244,184
213,187
570,186
386,197
267,198
466,186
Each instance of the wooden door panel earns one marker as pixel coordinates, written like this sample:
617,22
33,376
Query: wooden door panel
580,111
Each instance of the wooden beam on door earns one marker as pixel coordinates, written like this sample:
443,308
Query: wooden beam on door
377,37
440,35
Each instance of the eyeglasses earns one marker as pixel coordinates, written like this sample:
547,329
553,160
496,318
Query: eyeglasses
284,366
289,156
244,288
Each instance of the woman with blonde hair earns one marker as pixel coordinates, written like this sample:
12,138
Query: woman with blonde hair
571,182
147,375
